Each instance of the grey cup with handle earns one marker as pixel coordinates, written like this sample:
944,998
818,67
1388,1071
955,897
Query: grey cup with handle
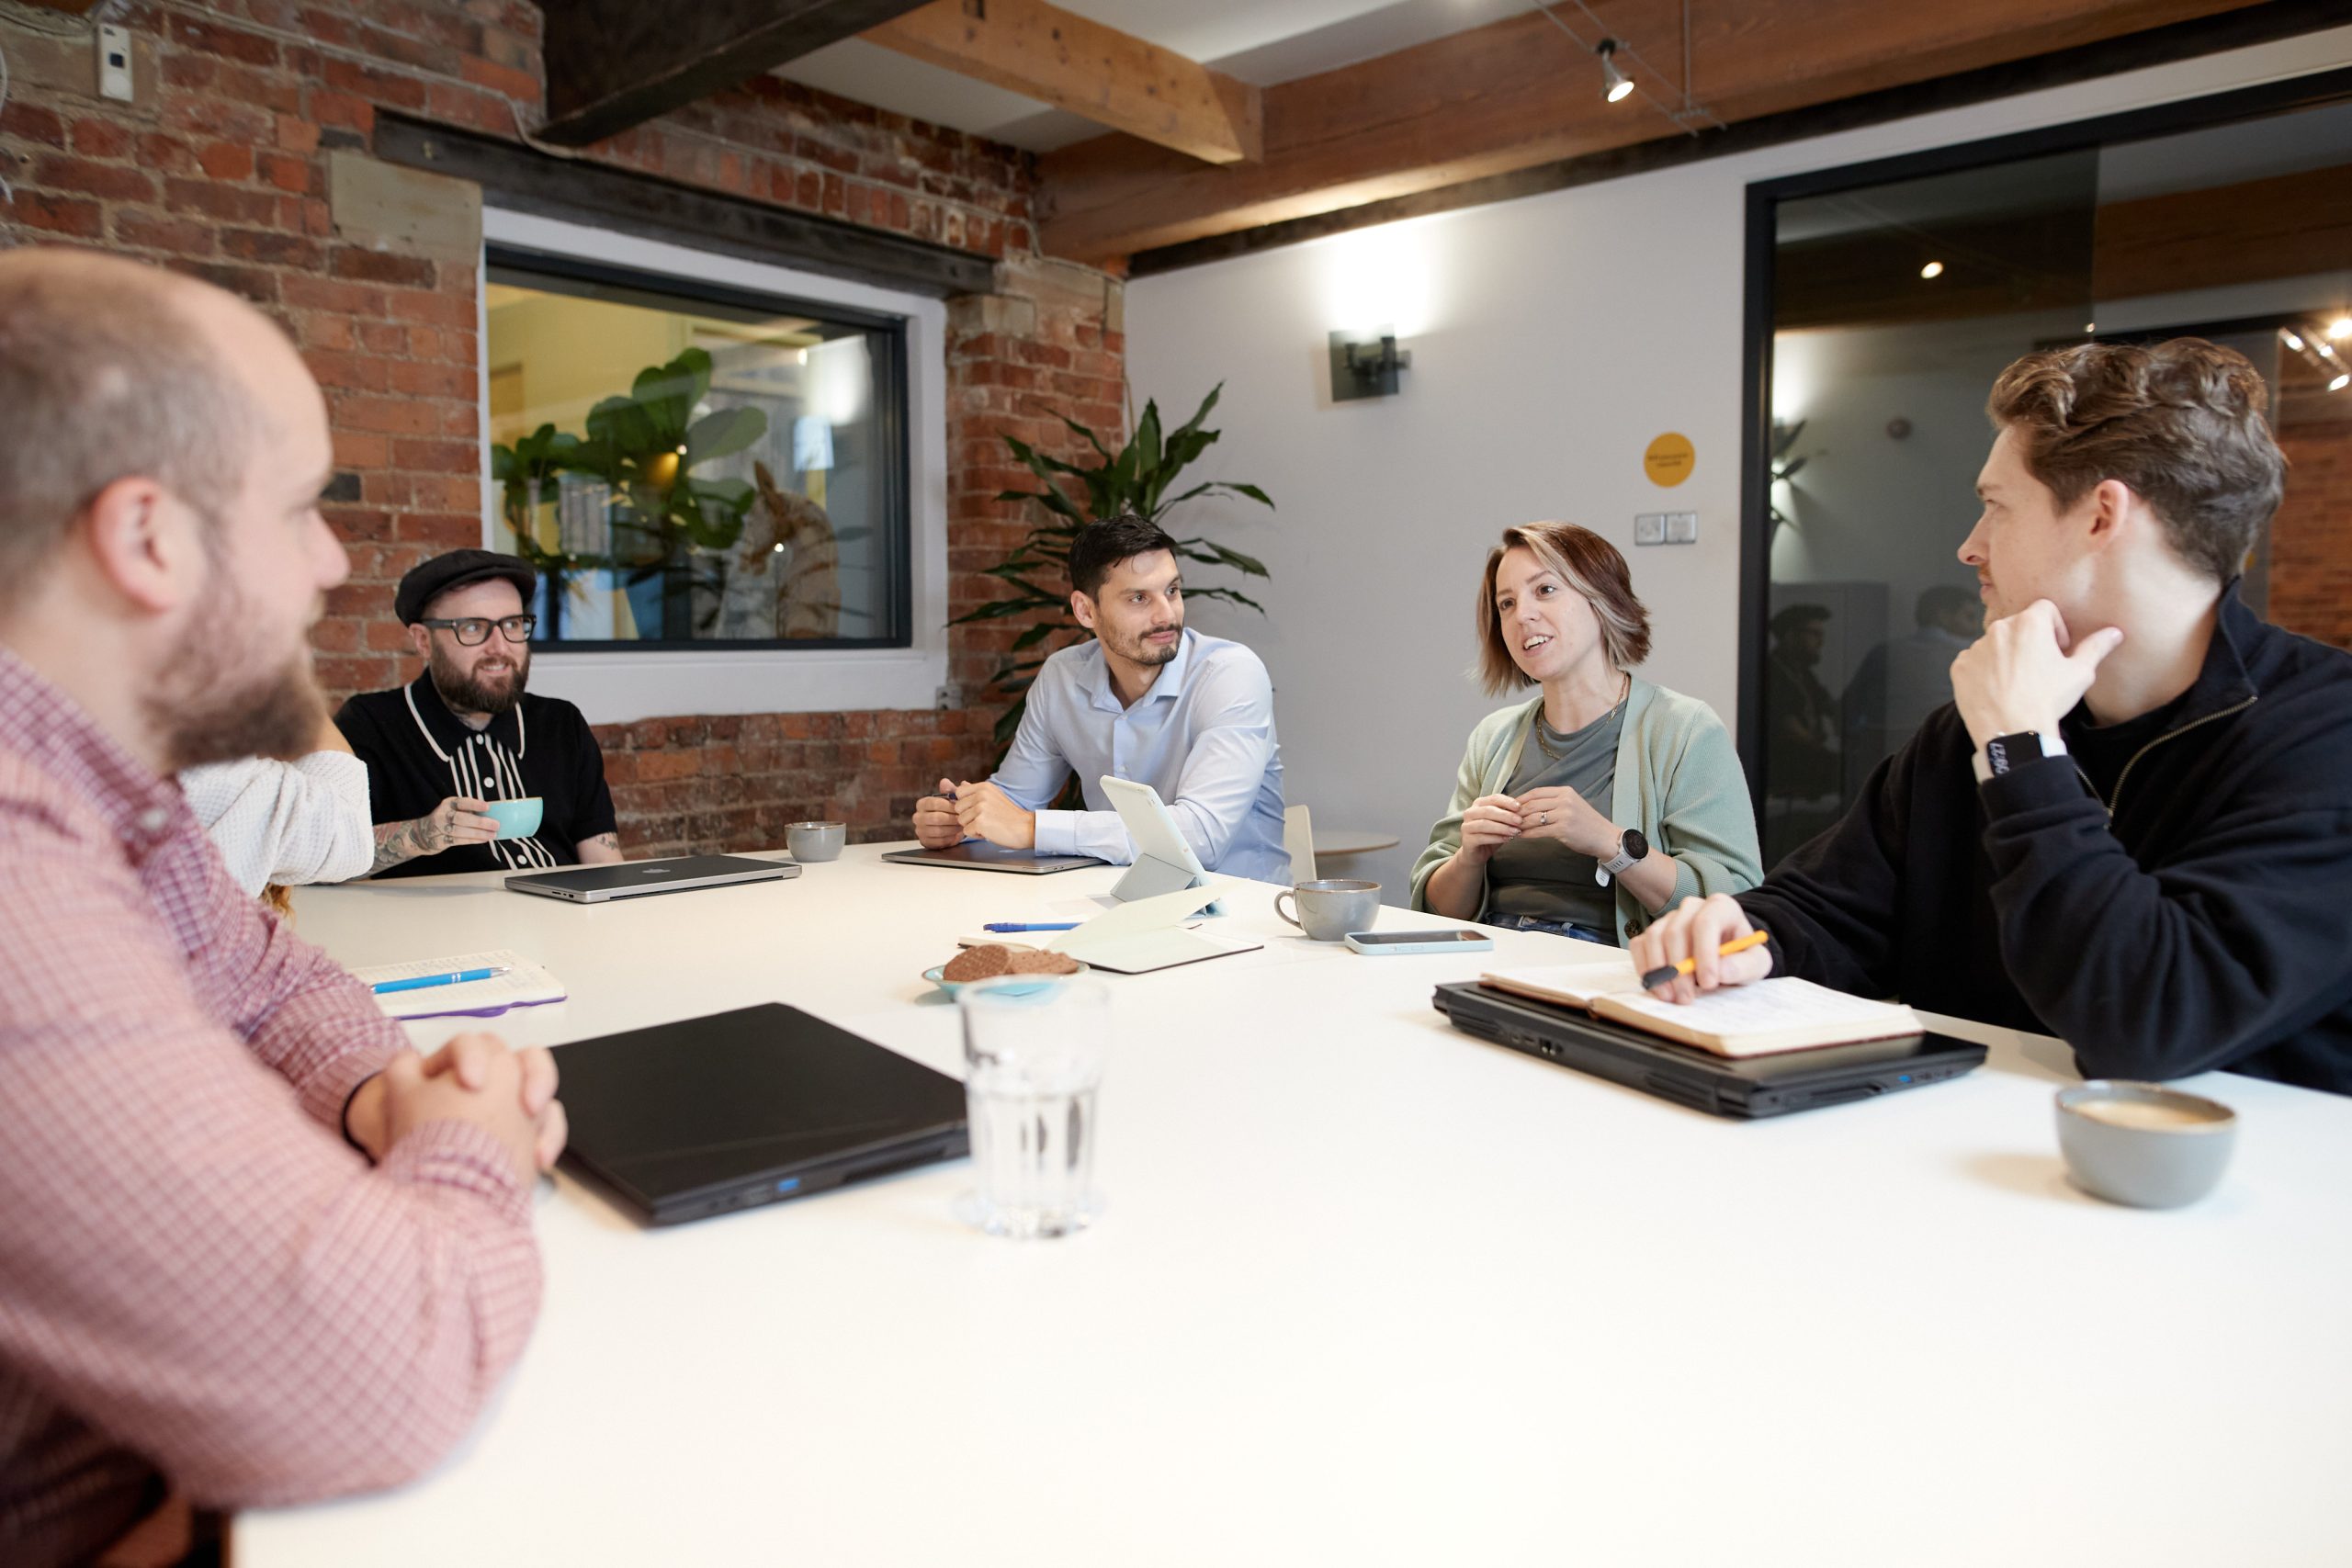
1329,909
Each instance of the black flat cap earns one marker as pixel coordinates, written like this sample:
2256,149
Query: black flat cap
427,580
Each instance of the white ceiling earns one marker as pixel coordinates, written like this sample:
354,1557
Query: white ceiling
1260,41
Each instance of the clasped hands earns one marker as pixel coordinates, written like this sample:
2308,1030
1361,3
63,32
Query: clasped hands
1553,812
961,811
474,1079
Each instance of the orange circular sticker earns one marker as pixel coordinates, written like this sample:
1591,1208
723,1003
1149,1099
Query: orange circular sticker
1668,460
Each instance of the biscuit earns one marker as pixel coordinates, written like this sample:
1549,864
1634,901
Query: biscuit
1035,961
978,964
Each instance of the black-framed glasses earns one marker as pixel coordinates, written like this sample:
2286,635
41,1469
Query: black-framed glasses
473,631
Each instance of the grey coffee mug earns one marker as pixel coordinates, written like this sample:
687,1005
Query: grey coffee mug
815,840
1329,910
2143,1143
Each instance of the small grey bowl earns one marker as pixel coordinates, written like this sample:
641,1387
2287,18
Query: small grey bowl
2143,1143
815,840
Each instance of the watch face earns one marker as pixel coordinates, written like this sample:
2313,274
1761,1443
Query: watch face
1634,847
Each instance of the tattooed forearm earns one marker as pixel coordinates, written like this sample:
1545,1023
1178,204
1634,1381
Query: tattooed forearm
399,842
601,848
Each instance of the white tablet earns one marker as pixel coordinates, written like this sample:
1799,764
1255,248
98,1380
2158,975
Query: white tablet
1164,863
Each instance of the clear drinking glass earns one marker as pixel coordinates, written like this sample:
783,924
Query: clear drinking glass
1034,1049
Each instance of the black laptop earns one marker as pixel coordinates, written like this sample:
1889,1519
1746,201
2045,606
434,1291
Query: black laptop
978,854
1744,1087
710,1116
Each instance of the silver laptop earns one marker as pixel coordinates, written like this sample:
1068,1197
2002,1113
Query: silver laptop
640,878
978,854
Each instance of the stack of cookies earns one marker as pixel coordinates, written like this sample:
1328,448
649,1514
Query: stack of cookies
994,959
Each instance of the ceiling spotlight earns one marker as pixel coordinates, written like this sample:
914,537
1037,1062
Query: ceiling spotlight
2290,340
2340,383
1933,269
2340,328
1616,86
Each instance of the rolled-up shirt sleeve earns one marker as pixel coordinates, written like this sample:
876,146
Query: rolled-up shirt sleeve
291,823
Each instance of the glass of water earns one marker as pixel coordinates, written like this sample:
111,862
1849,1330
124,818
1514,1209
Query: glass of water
1034,1049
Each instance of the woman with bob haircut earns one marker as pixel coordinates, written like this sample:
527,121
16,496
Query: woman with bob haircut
1604,801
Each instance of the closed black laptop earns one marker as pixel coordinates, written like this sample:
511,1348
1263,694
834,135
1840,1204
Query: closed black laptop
978,854
1746,1088
708,1115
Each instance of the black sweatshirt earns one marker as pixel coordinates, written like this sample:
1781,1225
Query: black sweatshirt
2207,924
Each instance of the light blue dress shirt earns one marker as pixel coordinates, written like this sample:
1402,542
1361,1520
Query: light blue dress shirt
1202,737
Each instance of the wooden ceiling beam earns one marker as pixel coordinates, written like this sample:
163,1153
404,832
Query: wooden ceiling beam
1520,93
615,63
1113,78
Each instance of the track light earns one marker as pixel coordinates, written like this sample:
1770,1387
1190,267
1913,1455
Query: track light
2340,328
1616,86
2290,340
2340,383
1933,269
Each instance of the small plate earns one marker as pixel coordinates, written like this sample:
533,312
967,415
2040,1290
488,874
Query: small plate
937,977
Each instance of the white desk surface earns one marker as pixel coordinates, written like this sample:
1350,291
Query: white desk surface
1371,1292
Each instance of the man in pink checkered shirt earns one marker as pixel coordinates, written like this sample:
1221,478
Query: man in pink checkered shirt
253,1250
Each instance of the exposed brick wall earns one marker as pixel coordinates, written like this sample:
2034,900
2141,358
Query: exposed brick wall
2310,540
221,169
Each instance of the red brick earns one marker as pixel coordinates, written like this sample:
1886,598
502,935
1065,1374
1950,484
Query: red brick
380,87
344,298
387,417
231,119
153,232
347,111
522,85
226,160
380,266
271,248
18,118
434,456
224,202
231,43
83,176
432,381
289,173
58,214
103,138
297,135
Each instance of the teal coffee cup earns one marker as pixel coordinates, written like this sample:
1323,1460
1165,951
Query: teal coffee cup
516,818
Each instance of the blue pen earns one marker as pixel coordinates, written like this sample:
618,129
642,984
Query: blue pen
1020,926
420,981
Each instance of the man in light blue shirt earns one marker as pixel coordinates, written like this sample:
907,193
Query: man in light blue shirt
1149,700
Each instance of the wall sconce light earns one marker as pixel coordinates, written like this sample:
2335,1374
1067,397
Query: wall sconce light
1366,369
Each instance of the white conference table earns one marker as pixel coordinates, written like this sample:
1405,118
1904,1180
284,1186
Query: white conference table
1371,1292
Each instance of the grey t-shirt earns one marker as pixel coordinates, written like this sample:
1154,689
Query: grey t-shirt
1543,878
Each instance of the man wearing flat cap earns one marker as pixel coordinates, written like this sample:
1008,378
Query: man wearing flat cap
465,733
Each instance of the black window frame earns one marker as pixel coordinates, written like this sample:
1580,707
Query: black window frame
2314,90
892,390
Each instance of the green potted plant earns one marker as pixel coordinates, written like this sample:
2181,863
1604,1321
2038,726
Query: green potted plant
1136,479
646,445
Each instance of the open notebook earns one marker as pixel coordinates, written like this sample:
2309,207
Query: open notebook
525,984
1783,1014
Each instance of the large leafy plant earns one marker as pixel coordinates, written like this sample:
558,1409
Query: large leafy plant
1137,478
645,445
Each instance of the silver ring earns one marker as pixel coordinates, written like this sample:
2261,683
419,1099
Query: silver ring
1545,821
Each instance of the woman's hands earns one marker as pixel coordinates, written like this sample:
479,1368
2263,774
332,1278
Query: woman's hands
1561,814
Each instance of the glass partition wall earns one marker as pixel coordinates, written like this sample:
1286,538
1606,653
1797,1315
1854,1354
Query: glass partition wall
1891,296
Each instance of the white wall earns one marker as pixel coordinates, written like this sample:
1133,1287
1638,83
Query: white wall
1552,338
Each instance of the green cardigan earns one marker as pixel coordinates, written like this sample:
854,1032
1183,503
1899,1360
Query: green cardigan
1677,780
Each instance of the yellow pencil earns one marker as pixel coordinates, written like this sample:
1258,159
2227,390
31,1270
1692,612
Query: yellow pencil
1664,972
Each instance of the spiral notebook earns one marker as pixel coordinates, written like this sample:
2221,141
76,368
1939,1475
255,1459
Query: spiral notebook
523,985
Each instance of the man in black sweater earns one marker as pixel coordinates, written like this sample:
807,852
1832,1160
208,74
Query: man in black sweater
2132,828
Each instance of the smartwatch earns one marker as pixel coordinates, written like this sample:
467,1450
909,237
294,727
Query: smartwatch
1632,850
2005,753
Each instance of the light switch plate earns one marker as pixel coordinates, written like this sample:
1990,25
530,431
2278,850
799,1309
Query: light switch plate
114,62
1649,528
1681,527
